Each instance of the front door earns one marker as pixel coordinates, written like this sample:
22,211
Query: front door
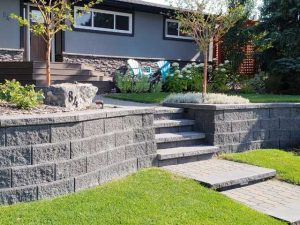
38,45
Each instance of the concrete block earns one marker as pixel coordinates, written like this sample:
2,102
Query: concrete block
261,135
219,127
2,136
246,137
283,134
148,120
15,156
187,159
124,138
65,132
287,123
108,173
242,114
27,135
83,147
141,135
151,148
226,138
270,144
15,195
167,162
32,175
97,161
261,113
136,150
113,124
106,142
5,178
147,161
87,180
127,167
132,121
269,124
295,113
244,125
93,127
280,112
45,153
55,189
116,155
71,168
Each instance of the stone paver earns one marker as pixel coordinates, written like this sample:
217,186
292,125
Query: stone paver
120,103
272,197
221,174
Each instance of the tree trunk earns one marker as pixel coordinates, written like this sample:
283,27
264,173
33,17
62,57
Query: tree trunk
204,83
48,63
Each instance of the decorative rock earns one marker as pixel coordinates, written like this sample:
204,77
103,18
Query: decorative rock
71,96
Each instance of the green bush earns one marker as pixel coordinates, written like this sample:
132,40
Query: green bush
188,79
141,84
156,87
124,82
284,77
255,85
24,97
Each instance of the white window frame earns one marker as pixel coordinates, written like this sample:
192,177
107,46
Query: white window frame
114,13
178,36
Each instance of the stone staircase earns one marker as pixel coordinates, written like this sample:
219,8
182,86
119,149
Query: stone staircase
182,150
176,139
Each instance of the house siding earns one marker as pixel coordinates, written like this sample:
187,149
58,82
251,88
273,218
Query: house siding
9,29
146,42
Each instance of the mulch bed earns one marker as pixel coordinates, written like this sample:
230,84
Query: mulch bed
10,109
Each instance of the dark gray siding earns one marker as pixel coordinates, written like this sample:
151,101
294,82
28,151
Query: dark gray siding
147,41
9,29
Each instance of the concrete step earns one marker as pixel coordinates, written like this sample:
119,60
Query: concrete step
173,123
180,136
173,126
180,152
221,174
58,65
168,113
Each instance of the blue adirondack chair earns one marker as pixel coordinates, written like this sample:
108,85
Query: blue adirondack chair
164,67
137,70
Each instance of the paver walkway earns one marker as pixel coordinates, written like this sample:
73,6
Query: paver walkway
272,197
246,184
222,174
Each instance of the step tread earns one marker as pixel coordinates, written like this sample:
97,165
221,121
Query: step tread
171,153
221,174
180,136
163,110
173,123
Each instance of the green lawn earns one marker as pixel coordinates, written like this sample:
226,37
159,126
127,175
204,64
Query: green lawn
287,164
158,97
149,197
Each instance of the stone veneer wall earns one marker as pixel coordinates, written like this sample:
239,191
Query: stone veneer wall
243,127
11,55
49,155
108,65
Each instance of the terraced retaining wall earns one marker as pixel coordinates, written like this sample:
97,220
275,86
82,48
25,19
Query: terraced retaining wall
243,127
49,155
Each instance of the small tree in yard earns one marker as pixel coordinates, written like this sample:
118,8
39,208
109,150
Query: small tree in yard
204,21
56,15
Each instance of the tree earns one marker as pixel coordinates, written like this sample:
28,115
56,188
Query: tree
205,20
278,31
56,15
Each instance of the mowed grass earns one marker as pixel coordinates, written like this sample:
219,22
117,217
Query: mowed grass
158,97
140,97
287,164
149,197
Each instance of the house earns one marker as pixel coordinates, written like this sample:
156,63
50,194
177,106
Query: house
104,38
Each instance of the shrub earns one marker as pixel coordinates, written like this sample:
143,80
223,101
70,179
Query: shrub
257,84
156,87
284,77
188,79
141,84
207,99
124,82
24,97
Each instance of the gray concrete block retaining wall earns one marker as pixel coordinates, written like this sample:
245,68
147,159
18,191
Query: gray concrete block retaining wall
43,156
11,55
243,127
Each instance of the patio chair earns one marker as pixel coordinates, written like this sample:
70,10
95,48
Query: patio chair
137,70
164,67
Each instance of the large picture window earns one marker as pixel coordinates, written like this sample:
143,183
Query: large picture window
172,30
103,20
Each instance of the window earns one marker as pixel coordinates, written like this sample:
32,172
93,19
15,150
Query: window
172,30
103,20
